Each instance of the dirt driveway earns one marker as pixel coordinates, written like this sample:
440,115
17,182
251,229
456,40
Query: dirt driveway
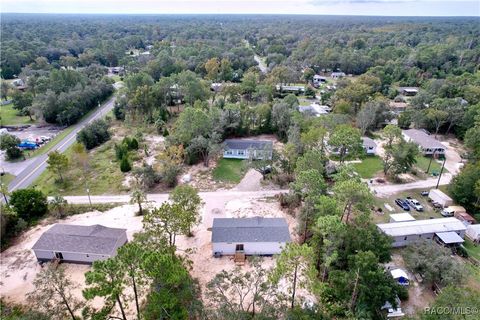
19,266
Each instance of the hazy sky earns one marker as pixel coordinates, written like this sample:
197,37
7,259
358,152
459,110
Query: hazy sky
339,7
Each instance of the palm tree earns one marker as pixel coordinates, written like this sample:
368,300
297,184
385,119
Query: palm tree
57,205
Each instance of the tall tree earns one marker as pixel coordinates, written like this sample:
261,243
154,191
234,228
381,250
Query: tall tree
346,140
295,265
53,293
57,163
187,198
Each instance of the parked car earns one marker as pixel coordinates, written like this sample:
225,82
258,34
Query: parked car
402,204
447,212
28,145
437,205
415,204
424,193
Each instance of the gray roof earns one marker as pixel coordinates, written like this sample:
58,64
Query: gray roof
248,144
95,239
255,229
422,139
367,142
449,237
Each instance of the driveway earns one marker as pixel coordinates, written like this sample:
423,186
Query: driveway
384,191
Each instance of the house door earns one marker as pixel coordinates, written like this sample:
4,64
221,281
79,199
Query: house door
59,255
239,247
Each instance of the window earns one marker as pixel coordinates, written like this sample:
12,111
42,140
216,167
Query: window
239,247
405,238
230,152
59,255
241,152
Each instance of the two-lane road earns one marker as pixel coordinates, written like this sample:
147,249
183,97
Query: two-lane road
30,173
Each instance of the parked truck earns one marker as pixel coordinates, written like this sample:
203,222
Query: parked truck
438,197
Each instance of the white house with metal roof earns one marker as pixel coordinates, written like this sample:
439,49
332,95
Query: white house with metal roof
401,217
246,149
427,144
79,244
252,236
404,233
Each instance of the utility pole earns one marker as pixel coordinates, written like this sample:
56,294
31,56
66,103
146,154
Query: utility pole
441,171
430,163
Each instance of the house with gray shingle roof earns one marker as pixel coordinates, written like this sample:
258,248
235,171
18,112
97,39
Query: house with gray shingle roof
252,236
427,144
79,244
244,149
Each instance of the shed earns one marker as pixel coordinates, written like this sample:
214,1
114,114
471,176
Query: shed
317,80
369,145
252,236
427,144
400,276
79,244
440,197
473,232
408,91
401,217
244,149
337,75
404,233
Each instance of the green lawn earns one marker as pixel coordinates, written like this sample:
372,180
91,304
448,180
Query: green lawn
472,249
104,175
228,170
6,178
9,117
369,167
422,165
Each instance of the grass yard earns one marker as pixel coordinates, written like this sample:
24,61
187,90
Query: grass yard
228,170
472,249
10,117
104,175
422,165
369,167
6,178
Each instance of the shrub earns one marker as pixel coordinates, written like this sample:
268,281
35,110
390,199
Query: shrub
94,134
29,203
133,145
289,200
121,151
402,293
125,165
9,143
169,174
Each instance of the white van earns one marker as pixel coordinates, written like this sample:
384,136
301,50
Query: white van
448,212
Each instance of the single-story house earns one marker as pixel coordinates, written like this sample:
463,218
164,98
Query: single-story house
314,110
400,276
369,146
405,233
244,149
317,80
408,91
473,232
79,244
337,75
290,89
427,144
251,236
401,217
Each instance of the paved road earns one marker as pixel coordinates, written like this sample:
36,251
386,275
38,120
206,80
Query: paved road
39,164
384,191
160,197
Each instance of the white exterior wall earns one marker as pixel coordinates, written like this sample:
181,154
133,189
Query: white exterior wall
441,198
402,241
70,256
243,154
370,151
250,248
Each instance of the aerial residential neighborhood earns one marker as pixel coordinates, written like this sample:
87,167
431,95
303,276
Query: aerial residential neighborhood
240,160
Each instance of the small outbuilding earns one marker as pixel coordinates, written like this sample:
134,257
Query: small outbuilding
401,217
79,244
318,79
369,146
473,232
246,149
438,196
400,276
250,236
337,75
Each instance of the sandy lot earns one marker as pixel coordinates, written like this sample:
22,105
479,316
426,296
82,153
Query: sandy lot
19,266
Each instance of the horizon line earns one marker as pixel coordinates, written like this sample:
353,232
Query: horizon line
238,14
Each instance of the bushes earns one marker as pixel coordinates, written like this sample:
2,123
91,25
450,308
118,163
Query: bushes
94,134
29,203
125,165
122,150
9,143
